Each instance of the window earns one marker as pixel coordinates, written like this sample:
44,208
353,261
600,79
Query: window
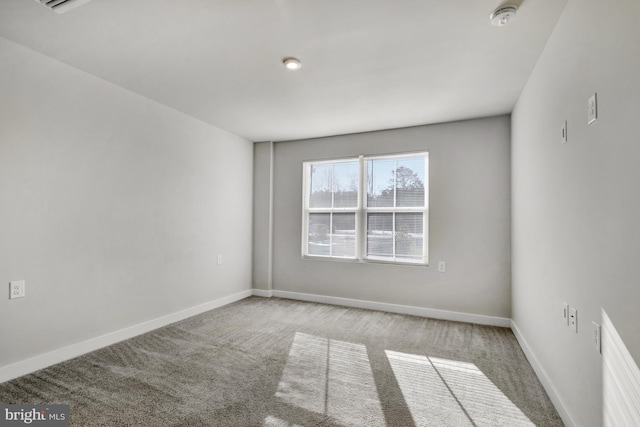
369,208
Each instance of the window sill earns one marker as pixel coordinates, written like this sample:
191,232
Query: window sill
365,261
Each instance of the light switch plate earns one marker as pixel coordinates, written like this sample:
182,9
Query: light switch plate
563,132
592,109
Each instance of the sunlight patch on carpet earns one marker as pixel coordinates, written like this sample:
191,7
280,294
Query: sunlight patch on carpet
272,421
447,392
332,378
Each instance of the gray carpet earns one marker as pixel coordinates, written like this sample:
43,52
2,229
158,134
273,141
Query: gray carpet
275,362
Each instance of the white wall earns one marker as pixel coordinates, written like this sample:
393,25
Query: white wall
469,221
113,207
576,207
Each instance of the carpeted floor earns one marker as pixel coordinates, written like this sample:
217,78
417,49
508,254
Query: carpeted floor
275,362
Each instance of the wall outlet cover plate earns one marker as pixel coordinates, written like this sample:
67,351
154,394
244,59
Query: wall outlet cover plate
17,289
592,109
573,319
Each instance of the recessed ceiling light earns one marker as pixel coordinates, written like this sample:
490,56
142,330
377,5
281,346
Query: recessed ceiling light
503,15
292,63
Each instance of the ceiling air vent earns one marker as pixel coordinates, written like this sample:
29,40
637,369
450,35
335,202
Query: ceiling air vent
61,6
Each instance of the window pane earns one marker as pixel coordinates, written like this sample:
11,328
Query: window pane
380,182
345,185
410,181
409,235
321,184
380,234
344,235
319,242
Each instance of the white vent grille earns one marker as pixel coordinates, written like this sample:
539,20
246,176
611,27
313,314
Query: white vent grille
620,380
61,6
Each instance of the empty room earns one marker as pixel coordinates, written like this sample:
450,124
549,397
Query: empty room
290,213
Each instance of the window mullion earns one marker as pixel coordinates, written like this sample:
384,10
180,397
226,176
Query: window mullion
333,190
395,203
395,182
333,195
361,216
393,235
331,233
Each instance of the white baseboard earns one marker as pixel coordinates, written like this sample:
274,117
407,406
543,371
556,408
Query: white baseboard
42,361
544,378
395,308
262,293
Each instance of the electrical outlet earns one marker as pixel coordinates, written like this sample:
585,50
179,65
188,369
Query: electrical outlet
592,109
573,319
596,335
565,313
17,289
442,267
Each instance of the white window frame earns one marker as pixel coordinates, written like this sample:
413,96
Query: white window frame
361,211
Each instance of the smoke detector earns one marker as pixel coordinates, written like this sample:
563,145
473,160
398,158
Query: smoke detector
503,15
61,6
